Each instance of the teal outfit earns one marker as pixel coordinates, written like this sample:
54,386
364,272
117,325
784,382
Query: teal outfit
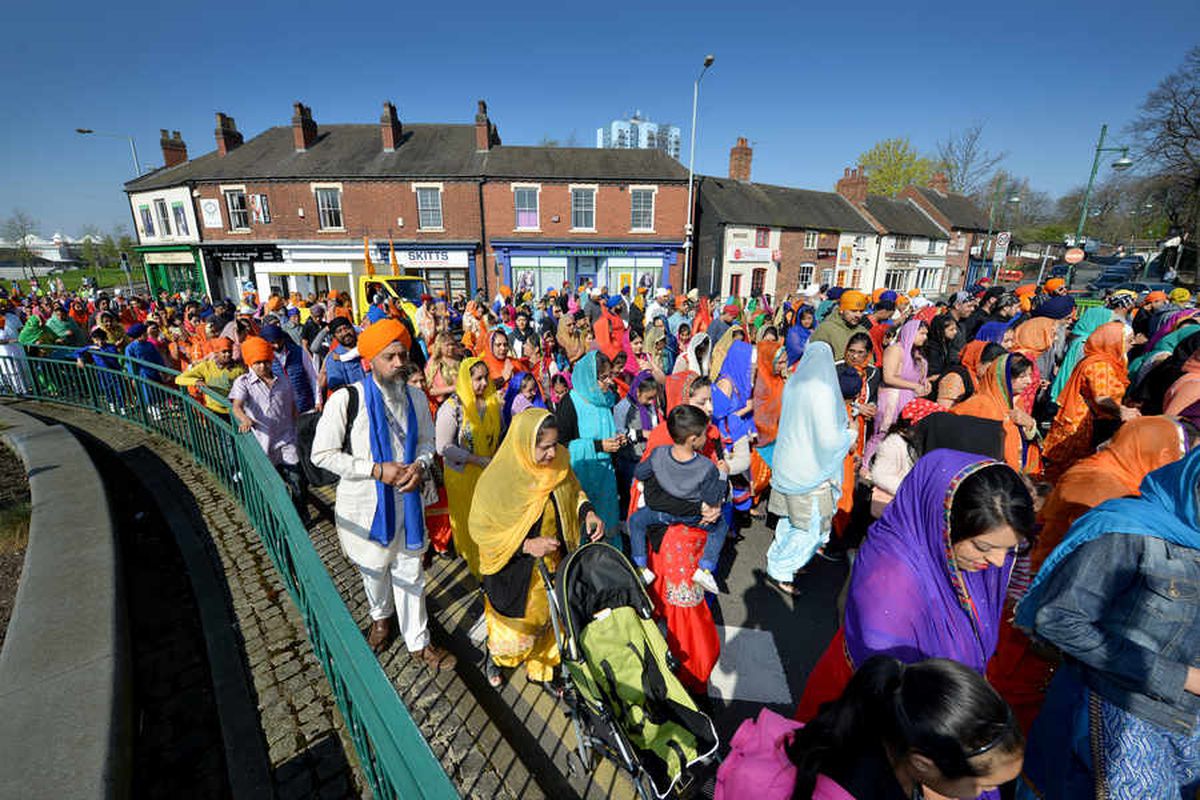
1084,327
591,465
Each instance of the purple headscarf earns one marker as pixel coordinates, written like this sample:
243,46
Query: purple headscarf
908,599
643,411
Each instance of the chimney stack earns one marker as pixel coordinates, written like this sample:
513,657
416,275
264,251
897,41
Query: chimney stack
390,128
486,136
739,161
228,137
853,185
939,183
173,149
304,130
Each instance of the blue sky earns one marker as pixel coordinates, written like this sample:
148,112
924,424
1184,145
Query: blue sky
811,85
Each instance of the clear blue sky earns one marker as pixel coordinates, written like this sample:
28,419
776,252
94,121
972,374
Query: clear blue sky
810,84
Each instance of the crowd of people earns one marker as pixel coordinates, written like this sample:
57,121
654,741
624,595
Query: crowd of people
1011,476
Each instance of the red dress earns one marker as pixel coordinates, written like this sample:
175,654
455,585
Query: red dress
828,679
691,630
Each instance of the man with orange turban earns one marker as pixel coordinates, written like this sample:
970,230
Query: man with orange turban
1055,286
383,464
837,328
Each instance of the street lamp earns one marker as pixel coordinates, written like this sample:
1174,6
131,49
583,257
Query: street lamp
687,241
1120,165
132,147
1011,200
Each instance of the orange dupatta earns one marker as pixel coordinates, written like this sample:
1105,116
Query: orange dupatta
993,400
1105,347
768,392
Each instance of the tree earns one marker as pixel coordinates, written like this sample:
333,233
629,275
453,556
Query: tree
110,254
966,164
91,247
126,244
893,164
19,229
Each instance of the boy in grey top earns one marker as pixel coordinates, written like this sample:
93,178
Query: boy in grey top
682,486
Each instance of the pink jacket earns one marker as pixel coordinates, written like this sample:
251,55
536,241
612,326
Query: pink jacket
758,766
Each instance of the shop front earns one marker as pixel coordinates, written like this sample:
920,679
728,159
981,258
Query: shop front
230,268
448,268
173,269
537,267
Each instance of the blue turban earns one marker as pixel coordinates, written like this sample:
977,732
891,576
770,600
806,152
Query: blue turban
271,333
614,301
835,293
136,331
1059,306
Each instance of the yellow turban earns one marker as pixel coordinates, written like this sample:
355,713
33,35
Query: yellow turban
852,300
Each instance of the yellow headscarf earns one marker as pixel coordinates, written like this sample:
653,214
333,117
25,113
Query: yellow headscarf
512,492
485,430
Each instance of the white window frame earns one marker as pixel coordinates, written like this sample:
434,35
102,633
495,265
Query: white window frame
146,217
653,190
317,187
179,216
805,274
536,188
812,240
225,192
931,248
162,215
264,207
583,187
929,278
899,239
438,187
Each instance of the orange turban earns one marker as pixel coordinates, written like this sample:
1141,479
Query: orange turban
222,344
379,335
505,291
1054,284
853,300
914,292
902,301
256,349
878,293
1026,290
274,303
1156,296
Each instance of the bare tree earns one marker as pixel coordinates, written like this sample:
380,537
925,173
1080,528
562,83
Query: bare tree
965,161
19,229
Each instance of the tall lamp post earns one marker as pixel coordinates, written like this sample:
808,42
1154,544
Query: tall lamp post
1120,165
687,241
1013,200
137,166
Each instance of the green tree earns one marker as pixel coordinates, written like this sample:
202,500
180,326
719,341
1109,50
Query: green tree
109,253
90,251
893,164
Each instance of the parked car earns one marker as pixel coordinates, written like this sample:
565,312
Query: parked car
1141,287
1060,271
1110,277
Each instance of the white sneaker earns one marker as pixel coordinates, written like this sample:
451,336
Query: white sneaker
648,576
705,580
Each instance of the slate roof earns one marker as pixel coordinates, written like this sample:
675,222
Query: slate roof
425,151
735,202
903,217
963,214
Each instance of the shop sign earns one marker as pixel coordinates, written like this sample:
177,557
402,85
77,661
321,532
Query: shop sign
243,253
575,252
168,258
826,252
845,256
751,254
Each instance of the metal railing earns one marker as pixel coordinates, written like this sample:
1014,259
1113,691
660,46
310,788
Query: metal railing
393,754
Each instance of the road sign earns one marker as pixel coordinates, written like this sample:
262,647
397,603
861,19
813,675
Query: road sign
1073,256
1000,251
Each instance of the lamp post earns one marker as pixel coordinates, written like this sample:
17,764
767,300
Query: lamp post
1120,165
687,232
1013,200
137,167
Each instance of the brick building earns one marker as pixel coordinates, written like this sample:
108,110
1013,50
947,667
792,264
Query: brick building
956,213
756,238
290,209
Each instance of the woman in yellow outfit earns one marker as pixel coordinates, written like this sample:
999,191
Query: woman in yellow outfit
467,433
528,506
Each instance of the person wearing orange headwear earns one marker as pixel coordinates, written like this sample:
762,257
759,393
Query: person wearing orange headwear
1095,390
837,328
379,507
215,374
609,328
1025,294
1055,286
1000,386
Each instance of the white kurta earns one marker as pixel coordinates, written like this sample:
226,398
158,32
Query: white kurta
355,506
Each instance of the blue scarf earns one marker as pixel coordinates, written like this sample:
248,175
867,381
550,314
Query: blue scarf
384,523
1167,509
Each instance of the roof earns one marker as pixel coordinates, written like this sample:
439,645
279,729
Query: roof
425,151
959,209
903,217
735,202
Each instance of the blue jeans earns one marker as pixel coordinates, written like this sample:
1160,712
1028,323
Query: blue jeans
643,518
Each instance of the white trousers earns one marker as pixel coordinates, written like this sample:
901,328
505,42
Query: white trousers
400,587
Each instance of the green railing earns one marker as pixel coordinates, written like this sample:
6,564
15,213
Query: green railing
394,756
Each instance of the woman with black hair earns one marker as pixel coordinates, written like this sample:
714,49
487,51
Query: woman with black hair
930,580
896,733
939,346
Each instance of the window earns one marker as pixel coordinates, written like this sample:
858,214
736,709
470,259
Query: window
164,221
810,240
903,242
805,277
856,277
429,208
525,199
261,208
762,237
860,241
895,279
180,215
329,208
147,220
583,209
927,279
932,249
235,202
641,203
758,280
735,285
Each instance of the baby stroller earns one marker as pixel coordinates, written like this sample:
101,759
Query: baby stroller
621,694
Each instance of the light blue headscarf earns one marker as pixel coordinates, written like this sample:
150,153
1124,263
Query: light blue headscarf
1087,323
814,430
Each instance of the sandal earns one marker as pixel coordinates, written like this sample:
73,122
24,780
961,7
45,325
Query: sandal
491,671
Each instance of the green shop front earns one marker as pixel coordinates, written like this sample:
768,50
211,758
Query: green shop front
173,269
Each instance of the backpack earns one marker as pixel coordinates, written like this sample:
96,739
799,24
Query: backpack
306,429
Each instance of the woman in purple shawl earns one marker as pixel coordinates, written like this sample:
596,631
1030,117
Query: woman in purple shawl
930,580
904,379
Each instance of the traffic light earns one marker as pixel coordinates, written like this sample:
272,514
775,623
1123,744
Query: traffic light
125,262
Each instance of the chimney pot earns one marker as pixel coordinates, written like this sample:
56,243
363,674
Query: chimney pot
853,185
227,134
740,156
939,182
174,151
486,136
390,128
304,130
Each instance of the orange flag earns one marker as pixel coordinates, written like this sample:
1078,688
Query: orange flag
367,256
395,263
